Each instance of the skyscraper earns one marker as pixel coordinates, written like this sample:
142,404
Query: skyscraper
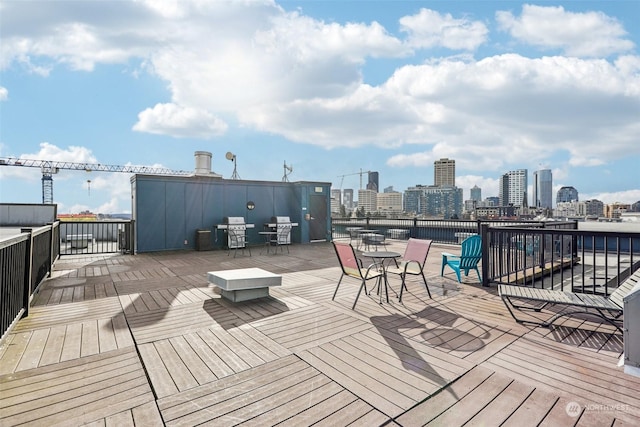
347,198
336,200
513,188
542,189
373,182
476,193
444,173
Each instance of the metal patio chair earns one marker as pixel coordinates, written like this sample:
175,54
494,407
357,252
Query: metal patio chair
352,266
412,262
237,240
282,238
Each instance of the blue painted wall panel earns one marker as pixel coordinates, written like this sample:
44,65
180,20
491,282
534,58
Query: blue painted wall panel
150,209
169,210
176,225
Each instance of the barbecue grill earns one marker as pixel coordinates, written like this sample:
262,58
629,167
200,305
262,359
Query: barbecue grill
236,230
279,223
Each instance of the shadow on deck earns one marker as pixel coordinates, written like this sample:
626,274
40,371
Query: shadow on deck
144,340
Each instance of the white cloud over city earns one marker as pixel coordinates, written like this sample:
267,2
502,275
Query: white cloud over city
258,66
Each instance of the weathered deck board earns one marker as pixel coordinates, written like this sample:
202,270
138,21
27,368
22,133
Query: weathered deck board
75,392
583,374
296,357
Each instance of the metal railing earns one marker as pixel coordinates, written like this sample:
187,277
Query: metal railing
559,256
96,237
543,254
438,230
25,261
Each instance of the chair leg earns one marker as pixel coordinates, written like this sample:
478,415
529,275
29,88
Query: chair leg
358,296
402,287
425,284
336,291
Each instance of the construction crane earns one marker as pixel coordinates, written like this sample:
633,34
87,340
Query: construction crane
49,168
350,174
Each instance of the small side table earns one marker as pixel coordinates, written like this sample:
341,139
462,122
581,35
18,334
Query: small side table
379,257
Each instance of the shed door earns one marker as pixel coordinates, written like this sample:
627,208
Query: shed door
318,222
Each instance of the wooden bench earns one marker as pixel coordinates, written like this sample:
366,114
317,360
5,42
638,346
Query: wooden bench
245,283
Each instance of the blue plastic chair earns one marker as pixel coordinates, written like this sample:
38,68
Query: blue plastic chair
468,259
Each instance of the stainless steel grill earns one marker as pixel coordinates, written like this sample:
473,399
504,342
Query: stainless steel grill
236,230
280,223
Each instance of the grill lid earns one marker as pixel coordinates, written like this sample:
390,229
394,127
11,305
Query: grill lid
234,220
281,219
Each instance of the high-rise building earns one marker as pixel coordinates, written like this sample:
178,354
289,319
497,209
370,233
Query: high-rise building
413,200
476,193
367,200
389,202
372,183
513,188
492,201
566,194
444,202
336,200
347,198
594,207
542,189
444,173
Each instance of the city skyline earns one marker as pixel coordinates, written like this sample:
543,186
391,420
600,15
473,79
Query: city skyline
327,89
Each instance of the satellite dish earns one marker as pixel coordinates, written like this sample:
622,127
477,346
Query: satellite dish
229,155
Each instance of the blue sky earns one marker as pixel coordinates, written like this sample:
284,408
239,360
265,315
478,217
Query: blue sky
329,87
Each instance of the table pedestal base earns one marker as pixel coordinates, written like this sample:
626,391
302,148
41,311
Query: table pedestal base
245,294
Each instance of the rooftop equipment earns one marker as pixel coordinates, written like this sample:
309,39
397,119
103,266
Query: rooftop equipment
236,230
279,223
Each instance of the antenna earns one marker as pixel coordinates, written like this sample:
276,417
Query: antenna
287,171
232,157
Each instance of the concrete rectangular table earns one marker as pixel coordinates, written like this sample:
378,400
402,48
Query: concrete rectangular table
245,283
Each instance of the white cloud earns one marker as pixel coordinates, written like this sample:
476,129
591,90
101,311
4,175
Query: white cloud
49,152
429,29
180,122
488,186
628,196
4,93
589,34
505,109
423,159
300,78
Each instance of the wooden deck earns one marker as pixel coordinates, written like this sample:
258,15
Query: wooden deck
144,340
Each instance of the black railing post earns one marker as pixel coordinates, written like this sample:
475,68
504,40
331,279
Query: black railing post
484,235
28,271
50,255
132,239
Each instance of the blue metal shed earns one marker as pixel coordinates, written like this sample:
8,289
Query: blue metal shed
169,210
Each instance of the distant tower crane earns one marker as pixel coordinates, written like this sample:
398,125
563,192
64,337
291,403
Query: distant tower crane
49,168
350,174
